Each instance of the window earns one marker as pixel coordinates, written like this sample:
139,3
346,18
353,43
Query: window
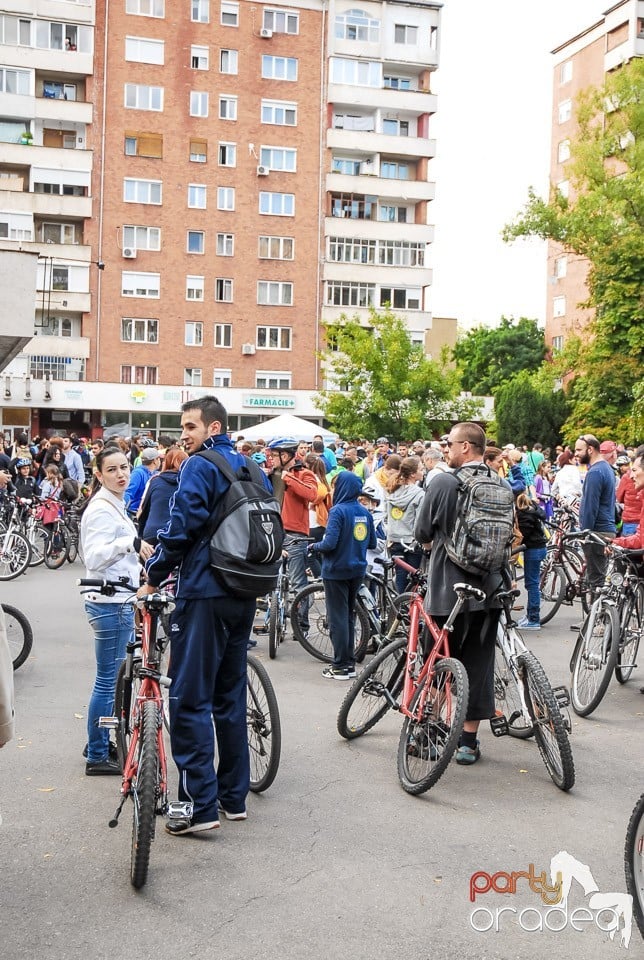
561,267
563,151
55,90
14,31
225,244
392,214
357,25
144,145
194,288
193,334
145,8
278,158
146,285
138,96
277,204
57,232
192,377
274,293
134,374
347,166
15,81
143,50
196,241
396,128
565,111
564,188
279,68
198,104
60,278
200,11
142,238
197,196
139,331
276,248
199,58
58,36
58,368
225,198
273,338
341,293
400,298
557,344
279,112
223,290
227,154
360,73
228,108
353,206
199,151
222,378
565,72
404,33
228,61
350,250
223,334
559,307
16,227
141,191
397,83
401,253
272,380
229,14
281,21
391,170
349,121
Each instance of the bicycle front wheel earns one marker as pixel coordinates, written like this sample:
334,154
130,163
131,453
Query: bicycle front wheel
552,587
428,741
124,709
593,660
507,699
634,862
38,540
19,634
374,692
56,552
549,727
144,794
311,624
15,554
263,726
630,633
274,637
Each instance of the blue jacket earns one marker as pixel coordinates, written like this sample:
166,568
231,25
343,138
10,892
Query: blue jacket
349,534
185,542
155,509
597,507
136,487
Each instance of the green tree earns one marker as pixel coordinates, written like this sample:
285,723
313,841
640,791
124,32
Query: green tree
385,384
486,357
528,408
603,223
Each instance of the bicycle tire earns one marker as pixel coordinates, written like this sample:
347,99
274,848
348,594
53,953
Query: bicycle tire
549,727
123,701
263,727
433,740
144,794
634,861
630,632
55,558
317,640
552,587
72,548
15,554
273,627
507,700
594,657
38,539
19,634
385,672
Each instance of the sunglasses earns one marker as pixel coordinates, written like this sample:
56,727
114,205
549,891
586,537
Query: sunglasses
450,443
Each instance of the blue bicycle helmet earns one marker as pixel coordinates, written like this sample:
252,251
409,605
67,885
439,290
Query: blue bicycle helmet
284,443
258,457
146,442
23,462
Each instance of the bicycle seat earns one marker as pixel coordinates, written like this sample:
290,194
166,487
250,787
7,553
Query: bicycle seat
384,562
467,590
504,595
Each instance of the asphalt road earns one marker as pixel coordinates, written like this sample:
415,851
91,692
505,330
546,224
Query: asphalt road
335,859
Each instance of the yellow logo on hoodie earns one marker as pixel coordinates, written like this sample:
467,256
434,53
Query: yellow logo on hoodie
360,530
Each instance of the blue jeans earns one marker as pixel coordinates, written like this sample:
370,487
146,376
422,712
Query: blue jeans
113,626
297,578
340,597
412,557
532,559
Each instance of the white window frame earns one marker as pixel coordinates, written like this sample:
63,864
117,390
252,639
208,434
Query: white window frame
278,113
356,73
561,267
144,50
197,196
279,68
270,242
223,333
557,343
196,233
559,307
199,57
226,154
283,159
563,151
565,110
229,61
402,127
224,290
275,293
130,279
147,327
145,97
357,25
229,14
564,188
565,72
266,333
140,186
200,11
276,202
225,245
222,377
413,294
149,375
22,81
192,376
406,33
198,103
193,333
273,380
146,8
227,107
226,198
347,293
63,232
281,21
141,238
195,288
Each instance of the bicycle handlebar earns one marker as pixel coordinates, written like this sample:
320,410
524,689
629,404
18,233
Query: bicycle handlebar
589,535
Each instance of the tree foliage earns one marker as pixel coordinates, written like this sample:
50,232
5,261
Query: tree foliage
603,222
528,408
486,357
385,384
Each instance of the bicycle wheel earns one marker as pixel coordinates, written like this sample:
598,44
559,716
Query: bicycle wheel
549,727
15,554
630,633
144,794
634,862
552,587
316,640
427,743
263,726
19,634
373,692
125,697
57,547
593,660
72,546
38,540
507,699
274,632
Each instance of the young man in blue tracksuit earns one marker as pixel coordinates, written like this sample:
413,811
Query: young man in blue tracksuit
349,534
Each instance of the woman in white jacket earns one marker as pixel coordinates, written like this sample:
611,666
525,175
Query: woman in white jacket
110,546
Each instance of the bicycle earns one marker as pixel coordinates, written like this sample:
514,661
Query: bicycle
563,570
309,604
72,526
58,543
634,861
526,704
33,531
263,726
278,608
15,552
19,634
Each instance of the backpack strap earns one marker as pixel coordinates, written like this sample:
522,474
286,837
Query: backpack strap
219,461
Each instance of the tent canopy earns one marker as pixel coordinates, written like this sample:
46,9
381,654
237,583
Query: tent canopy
286,425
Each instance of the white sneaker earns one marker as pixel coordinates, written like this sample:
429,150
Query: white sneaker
234,816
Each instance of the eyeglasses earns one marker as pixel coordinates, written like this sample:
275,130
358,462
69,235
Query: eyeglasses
450,443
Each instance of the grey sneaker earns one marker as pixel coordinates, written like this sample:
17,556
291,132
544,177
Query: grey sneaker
339,673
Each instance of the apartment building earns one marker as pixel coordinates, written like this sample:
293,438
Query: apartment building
579,63
206,184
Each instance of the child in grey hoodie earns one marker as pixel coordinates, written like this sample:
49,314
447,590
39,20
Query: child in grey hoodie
403,504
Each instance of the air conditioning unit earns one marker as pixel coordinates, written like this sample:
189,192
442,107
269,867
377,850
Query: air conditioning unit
265,34
248,349
262,171
129,253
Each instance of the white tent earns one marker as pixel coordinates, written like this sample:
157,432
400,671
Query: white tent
286,425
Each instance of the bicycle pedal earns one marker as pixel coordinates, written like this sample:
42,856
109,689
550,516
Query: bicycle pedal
499,726
562,696
179,810
108,723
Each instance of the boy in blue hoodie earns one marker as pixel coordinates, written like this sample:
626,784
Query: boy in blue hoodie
349,534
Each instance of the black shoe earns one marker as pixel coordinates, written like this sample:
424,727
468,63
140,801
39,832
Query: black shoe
180,826
113,754
103,768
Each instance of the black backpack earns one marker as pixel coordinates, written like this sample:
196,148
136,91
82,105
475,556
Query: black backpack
484,524
246,531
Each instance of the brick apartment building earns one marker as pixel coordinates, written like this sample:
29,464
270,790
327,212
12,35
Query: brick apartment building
204,182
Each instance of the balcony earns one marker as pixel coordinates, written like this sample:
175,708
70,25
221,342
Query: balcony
370,142
414,319
411,191
57,301
57,251
413,102
64,62
46,205
378,229
378,273
76,347
67,111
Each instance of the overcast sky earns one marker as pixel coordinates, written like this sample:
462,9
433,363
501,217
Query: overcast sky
494,87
